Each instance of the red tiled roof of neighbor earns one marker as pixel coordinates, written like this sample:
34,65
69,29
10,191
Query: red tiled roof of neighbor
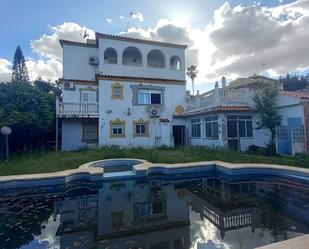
217,109
295,94
164,120
139,40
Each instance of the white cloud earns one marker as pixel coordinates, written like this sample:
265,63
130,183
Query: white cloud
49,69
138,15
48,44
121,17
109,20
5,70
246,37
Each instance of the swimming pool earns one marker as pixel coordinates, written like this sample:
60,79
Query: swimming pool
159,207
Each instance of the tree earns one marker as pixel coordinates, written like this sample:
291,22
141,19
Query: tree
192,73
295,82
20,72
29,112
265,105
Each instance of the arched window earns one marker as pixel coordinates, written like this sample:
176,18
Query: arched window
132,56
175,63
110,56
155,58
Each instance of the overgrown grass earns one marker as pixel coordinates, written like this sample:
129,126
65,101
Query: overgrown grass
41,162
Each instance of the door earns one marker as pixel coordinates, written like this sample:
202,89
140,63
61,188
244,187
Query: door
179,132
232,134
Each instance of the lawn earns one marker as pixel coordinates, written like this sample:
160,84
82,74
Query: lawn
41,162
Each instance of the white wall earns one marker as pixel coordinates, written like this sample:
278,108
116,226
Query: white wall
73,96
112,109
76,62
144,71
71,134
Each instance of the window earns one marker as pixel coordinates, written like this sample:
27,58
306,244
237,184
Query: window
110,56
147,95
211,127
132,56
90,132
88,95
117,91
141,128
117,128
149,209
157,208
196,127
245,126
155,58
146,98
175,63
85,97
243,123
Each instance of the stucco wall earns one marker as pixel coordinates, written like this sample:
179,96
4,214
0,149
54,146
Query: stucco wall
144,71
71,134
73,96
112,109
76,62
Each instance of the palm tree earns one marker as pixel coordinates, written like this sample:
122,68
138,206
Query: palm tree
192,74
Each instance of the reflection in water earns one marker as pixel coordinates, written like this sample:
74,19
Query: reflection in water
200,213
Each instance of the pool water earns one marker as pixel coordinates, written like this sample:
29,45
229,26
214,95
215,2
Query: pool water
204,213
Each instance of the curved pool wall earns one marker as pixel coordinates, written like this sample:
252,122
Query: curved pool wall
141,170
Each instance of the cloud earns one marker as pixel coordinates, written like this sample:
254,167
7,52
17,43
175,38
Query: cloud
49,69
109,20
168,31
48,44
137,15
5,70
246,37
121,17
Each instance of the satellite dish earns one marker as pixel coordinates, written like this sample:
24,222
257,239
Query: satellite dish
6,130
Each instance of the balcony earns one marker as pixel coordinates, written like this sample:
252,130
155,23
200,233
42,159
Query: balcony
77,110
219,97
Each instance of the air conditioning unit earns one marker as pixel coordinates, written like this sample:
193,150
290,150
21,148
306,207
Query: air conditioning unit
93,60
68,85
157,195
154,111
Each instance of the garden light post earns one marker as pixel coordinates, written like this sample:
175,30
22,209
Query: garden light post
6,131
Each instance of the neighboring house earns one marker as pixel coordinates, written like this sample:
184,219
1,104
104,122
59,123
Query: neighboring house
225,117
120,91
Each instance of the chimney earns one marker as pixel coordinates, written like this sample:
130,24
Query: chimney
223,80
216,85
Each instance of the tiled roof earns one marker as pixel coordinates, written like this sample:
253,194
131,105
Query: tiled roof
131,78
295,94
79,44
139,40
217,109
94,82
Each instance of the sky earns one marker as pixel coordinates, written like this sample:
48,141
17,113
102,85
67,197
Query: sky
225,38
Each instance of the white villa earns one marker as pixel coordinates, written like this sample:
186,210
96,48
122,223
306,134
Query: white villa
120,91
132,92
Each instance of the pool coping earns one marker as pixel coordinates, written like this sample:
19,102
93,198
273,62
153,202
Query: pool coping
300,242
90,172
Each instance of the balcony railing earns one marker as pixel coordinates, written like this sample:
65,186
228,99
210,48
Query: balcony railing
219,97
67,109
